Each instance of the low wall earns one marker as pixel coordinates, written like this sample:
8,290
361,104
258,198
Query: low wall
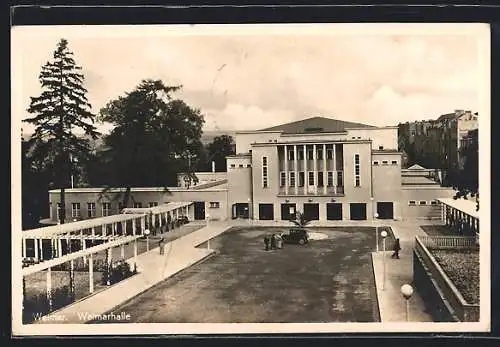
442,298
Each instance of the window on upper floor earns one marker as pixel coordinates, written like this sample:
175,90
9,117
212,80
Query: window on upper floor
300,154
329,153
214,204
75,209
394,162
385,162
291,155
422,202
241,165
310,154
91,209
292,179
106,208
301,179
282,179
319,154
412,203
233,165
137,204
380,148
375,162
329,180
311,178
153,204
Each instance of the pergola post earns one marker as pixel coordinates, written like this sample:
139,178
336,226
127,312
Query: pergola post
23,247
133,227
59,246
36,248
143,224
49,288
113,229
109,260
84,247
124,228
91,273
122,251
41,249
72,279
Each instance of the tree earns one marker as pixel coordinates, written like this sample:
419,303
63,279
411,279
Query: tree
218,149
152,138
300,220
61,109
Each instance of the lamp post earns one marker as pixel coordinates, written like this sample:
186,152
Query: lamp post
146,232
407,291
375,216
384,235
250,215
208,242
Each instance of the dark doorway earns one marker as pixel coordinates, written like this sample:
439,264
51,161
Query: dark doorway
288,211
266,211
334,211
240,210
311,211
199,210
385,210
358,211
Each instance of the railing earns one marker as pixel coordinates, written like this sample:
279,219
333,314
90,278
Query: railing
449,242
444,287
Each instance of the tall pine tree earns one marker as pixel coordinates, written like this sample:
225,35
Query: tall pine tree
60,110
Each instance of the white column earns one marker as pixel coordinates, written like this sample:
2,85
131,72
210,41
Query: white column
49,287
325,174
133,227
315,168
59,246
296,168
41,249
286,170
135,250
110,260
91,273
122,251
84,247
123,227
113,229
93,231
36,249
306,181
143,224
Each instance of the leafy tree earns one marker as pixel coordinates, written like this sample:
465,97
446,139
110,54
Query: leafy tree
152,138
218,149
300,220
61,109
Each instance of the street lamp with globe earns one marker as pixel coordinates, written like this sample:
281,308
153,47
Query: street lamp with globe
383,234
147,232
407,292
375,216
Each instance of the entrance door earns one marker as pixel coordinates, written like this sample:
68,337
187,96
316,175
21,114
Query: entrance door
334,211
199,210
266,211
311,211
288,211
240,210
358,211
385,210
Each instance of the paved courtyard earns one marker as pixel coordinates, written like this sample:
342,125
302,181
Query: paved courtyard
328,280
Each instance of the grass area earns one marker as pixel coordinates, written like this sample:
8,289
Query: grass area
328,280
462,267
438,230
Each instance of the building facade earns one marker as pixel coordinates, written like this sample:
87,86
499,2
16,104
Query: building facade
328,169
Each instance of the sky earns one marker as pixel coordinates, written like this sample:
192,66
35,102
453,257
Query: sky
250,77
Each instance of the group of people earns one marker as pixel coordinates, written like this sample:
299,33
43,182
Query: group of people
273,241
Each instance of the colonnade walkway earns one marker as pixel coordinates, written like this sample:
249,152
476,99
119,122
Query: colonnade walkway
152,267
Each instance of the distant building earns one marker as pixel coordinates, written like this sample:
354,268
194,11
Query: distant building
329,169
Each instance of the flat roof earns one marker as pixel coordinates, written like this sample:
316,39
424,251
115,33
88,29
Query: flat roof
48,232
167,207
417,180
466,206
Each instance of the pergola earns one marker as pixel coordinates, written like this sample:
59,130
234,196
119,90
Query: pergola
460,214
160,213
107,228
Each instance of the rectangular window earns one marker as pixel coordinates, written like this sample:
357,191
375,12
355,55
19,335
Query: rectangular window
329,153
106,208
384,162
153,204
434,202
394,162
292,179
357,180
310,153
300,154
375,163
233,165
282,179
319,154
301,178
330,178
137,204
340,179
264,172
311,178
320,179
58,210
411,203
380,148
422,202
75,209
91,209
291,155
214,204
248,165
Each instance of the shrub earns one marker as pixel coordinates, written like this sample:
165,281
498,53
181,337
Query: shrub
119,271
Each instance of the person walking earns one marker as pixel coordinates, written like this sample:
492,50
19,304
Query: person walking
161,244
397,248
273,241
